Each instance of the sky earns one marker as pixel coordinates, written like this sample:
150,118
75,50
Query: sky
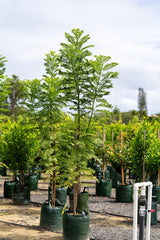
126,30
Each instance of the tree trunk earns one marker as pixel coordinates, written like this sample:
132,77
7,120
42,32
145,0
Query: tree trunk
53,179
103,157
53,187
122,170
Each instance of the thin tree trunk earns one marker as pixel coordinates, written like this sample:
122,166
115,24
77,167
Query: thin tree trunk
158,178
122,170
75,187
53,179
13,176
103,157
53,187
143,167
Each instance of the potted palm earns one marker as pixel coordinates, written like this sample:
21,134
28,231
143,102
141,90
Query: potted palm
18,148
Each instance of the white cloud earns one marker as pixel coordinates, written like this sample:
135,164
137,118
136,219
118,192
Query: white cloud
128,31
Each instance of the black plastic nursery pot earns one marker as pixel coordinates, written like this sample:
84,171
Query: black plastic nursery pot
103,188
156,192
61,195
51,218
124,193
75,227
8,189
3,171
21,194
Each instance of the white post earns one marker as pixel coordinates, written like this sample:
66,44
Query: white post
135,207
149,204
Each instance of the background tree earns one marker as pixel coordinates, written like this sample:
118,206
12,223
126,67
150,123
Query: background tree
30,103
2,65
16,94
3,87
142,103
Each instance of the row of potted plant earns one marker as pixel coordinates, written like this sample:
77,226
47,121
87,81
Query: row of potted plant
80,82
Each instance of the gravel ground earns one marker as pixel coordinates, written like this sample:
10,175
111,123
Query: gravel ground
104,225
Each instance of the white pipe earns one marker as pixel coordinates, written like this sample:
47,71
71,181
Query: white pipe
149,213
135,207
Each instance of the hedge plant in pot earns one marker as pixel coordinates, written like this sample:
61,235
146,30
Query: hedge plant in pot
18,148
143,150
119,154
153,162
139,146
85,82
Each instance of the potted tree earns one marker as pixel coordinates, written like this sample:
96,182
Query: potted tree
104,183
85,82
153,162
120,159
47,100
18,148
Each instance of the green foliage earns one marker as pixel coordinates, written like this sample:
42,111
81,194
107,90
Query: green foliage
140,145
2,65
4,92
76,70
57,156
15,94
19,145
142,103
32,92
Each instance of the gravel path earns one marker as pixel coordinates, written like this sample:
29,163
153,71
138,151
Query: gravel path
104,225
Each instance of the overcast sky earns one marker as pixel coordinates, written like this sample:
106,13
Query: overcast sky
126,30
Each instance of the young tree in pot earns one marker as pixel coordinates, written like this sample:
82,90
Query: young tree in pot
153,161
85,83
139,147
120,158
18,149
104,183
52,124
